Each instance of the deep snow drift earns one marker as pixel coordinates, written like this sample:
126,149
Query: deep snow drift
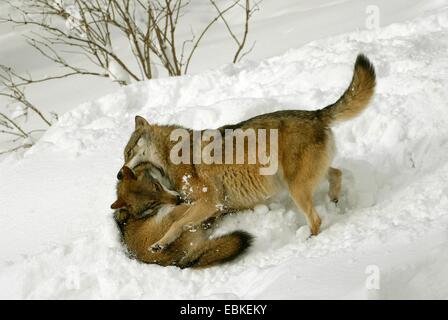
59,240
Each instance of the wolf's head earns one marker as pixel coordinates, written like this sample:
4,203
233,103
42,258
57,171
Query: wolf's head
141,147
140,194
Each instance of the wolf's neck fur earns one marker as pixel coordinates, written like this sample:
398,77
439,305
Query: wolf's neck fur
164,145
163,212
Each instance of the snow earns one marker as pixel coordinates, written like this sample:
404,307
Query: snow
59,240
118,73
276,27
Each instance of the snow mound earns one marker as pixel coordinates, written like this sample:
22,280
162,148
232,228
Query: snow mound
60,240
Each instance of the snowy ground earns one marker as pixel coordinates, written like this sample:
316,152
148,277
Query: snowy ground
59,240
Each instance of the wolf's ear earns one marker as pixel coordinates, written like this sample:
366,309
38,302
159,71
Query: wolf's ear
140,122
128,173
118,204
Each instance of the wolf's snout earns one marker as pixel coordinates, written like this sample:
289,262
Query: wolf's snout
120,174
126,173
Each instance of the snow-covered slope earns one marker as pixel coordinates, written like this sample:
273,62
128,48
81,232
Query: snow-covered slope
276,27
59,241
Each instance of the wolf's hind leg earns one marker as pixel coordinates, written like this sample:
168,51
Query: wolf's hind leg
334,177
310,168
303,198
200,211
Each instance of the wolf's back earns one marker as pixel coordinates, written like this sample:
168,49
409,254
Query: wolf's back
357,96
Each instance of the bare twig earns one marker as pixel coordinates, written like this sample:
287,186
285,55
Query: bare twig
96,29
23,146
86,28
11,88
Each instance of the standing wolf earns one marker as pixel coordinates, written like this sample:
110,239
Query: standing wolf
305,150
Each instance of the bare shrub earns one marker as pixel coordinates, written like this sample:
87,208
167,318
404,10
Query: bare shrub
90,27
64,29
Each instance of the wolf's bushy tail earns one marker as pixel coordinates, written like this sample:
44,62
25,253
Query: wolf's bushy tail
357,96
223,249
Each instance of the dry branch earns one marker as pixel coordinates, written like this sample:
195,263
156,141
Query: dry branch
96,30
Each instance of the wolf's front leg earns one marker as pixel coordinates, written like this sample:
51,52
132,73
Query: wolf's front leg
200,211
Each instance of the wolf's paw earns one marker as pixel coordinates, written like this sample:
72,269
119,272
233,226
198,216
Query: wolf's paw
156,248
121,215
303,233
207,224
190,227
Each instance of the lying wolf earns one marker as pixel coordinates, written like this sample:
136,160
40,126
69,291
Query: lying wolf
305,150
145,211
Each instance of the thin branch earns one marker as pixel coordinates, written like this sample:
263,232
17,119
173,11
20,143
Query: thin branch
23,146
15,125
204,31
